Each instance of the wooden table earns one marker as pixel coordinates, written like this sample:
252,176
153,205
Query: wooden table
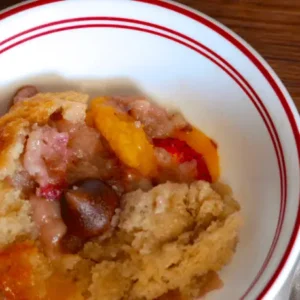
272,27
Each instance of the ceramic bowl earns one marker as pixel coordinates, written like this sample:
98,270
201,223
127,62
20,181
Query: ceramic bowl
184,60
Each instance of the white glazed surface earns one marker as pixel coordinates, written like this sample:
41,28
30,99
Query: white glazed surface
115,60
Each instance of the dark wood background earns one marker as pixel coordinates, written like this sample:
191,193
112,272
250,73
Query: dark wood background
272,27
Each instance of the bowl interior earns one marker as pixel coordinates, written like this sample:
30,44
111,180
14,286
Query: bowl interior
105,56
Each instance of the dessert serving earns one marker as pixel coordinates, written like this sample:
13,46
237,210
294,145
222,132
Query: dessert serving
114,199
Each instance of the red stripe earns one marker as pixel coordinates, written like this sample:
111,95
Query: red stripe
26,6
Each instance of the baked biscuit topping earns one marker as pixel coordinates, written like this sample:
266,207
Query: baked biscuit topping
116,201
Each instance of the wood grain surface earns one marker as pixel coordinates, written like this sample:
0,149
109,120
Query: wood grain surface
272,27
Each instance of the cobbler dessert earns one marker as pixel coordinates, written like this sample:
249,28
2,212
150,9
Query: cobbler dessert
114,200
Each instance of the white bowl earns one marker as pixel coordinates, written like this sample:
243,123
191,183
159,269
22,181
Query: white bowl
184,59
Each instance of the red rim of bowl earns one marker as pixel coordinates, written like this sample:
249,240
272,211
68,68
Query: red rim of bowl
255,60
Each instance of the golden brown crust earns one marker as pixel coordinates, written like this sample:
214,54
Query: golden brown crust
39,108
173,237
15,125
12,139
15,217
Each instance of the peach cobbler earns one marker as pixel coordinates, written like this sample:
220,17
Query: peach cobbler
114,200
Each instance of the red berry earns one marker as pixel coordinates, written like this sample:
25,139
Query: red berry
182,152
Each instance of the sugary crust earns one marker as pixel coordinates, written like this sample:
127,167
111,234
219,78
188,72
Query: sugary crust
173,237
15,217
15,125
39,108
12,139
